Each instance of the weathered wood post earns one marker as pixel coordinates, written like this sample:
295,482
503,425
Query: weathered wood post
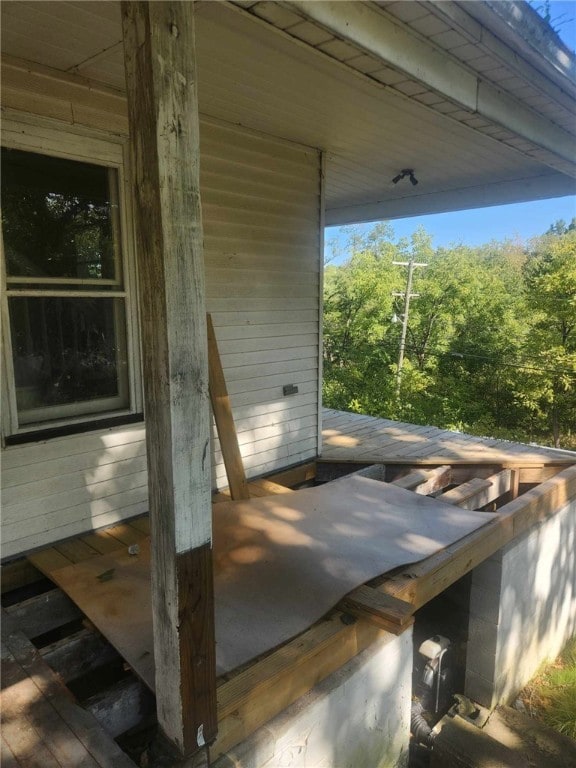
163,114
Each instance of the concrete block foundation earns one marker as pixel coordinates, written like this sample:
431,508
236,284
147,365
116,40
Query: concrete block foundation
522,609
359,717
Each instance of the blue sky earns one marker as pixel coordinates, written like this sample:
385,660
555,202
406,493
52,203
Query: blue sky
562,19
519,221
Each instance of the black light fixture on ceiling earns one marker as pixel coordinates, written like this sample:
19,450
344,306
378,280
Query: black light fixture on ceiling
406,172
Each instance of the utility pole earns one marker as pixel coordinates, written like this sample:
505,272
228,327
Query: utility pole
407,294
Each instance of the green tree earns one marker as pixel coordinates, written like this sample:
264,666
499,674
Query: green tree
551,346
357,312
491,345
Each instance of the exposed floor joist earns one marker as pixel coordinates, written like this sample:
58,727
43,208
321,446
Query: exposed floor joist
250,697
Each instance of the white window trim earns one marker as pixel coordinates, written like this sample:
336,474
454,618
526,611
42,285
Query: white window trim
41,136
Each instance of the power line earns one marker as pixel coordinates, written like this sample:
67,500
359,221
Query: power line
448,350
455,354
539,369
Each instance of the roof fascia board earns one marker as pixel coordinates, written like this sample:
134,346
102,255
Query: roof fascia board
500,193
536,42
498,107
459,17
369,29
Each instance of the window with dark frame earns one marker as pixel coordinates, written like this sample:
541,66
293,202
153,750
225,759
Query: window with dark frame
65,288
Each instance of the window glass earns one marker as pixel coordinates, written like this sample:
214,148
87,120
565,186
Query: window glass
58,217
66,299
67,350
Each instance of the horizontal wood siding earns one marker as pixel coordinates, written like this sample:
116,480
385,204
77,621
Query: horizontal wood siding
261,206
68,485
261,209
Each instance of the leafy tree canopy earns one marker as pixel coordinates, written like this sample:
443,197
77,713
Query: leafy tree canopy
491,337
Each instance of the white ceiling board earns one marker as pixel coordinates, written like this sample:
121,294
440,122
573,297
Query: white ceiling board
70,33
254,75
331,106
498,193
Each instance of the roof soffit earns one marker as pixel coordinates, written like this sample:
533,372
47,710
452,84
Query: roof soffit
272,82
365,37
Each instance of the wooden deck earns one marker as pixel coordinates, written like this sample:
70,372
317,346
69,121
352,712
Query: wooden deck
366,439
42,726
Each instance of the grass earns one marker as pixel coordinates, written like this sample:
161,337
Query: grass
551,695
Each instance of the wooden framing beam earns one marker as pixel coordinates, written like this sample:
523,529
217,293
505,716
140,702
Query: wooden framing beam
378,608
490,459
161,86
79,653
43,613
462,469
301,473
262,690
426,579
424,481
18,573
476,493
222,411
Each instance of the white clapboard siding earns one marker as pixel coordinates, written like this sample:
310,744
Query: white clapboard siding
261,209
76,521
40,489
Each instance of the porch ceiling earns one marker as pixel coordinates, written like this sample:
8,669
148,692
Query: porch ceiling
292,78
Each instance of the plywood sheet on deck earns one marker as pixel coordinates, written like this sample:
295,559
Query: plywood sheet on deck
280,563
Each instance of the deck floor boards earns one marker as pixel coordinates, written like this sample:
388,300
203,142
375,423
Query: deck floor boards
42,726
355,437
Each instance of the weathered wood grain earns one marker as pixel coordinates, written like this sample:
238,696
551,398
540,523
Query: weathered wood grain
41,723
161,84
222,411
42,613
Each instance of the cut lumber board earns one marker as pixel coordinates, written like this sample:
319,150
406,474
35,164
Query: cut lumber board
427,579
41,724
127,534
476,493
100,541
426,481
222,411
302,473
255,488
269,487
141,524
75,550
378,608
48,560
44,612
82,548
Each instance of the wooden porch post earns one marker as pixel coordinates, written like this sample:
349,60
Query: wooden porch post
163,115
